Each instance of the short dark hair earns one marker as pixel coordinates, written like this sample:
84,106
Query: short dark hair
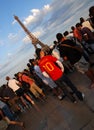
91,11
28,65
78,25
7,77
55,42
82,20
38,50
15,75
65,33
59,36
72,27
31,60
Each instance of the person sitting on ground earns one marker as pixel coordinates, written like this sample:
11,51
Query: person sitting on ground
10,122
11,98
6,109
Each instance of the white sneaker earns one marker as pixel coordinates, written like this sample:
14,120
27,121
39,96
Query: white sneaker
33,102
75,102
83,95
60,97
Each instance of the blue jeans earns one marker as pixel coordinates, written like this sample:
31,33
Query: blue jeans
8,112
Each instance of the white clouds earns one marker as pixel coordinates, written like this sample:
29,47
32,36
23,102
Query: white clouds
12,36
26,40
30,19
0,66
14,22
35,12
9,55
37,15
15,38
34,21
38,33
57,16
1,42
46,9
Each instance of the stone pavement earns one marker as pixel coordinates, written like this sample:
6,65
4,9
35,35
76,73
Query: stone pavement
62,115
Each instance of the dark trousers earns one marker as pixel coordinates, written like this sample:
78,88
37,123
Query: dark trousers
64,79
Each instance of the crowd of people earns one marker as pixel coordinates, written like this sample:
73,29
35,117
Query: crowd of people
48,72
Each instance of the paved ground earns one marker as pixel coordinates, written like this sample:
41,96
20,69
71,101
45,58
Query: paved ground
62,115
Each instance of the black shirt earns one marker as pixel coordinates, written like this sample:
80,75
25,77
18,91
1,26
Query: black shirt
72,54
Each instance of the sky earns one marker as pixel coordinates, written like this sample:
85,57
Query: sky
43,18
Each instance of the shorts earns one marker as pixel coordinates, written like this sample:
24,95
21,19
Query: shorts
19,92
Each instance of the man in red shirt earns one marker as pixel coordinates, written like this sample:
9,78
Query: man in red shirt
51,67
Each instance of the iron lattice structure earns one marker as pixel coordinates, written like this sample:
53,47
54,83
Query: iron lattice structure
33,39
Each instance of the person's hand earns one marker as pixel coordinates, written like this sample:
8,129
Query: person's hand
62,70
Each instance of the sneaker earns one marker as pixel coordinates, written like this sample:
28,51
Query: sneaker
80,95
74,101
83,95
32,102
60,97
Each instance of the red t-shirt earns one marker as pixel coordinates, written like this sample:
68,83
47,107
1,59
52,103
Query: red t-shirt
77,34
48,64
26,79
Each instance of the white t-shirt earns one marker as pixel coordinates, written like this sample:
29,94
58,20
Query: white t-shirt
13,84
87,24
56,54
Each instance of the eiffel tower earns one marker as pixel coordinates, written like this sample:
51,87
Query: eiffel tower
33,39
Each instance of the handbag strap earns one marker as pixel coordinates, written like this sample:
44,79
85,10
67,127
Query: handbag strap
68,46
74,47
